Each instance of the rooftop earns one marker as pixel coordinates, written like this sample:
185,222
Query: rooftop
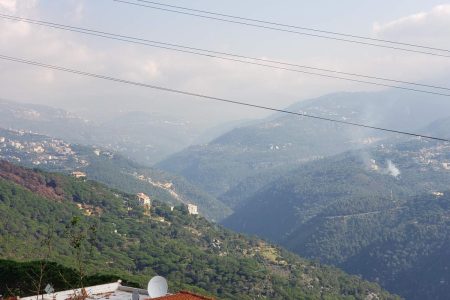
114,291
183,295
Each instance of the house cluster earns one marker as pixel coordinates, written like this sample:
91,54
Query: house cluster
434,157
146,202
37,150
275,147
99,152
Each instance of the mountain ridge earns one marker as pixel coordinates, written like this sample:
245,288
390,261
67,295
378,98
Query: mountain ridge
342,210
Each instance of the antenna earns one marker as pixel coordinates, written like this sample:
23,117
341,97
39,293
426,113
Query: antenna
135,295
157,287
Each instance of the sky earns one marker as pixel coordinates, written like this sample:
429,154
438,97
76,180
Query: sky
424,22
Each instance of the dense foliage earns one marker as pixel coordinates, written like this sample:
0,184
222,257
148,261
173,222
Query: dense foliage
111,234
382,213
24,278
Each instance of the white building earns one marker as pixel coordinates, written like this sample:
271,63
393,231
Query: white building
38,149
192,209
113,291
438,194
78,174
17,145
373,165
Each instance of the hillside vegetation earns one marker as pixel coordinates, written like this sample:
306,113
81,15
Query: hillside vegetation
239,163
108,167
381,213
119,237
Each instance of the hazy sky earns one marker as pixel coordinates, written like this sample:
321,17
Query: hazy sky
424,22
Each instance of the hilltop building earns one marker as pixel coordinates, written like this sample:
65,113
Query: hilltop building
78,174
192,209
38,149
144,200
373,165
167,185
114,291
438,194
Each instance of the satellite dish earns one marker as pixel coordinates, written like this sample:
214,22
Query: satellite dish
157,287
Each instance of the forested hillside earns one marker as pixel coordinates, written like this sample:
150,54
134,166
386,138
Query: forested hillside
105,166
379,212
106,231
246,159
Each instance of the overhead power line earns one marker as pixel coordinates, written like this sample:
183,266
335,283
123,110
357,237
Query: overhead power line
236,57
212,98
296,27
269,25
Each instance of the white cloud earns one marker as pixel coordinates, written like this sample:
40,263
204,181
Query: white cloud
181,71
8,5
9,30
430,25
16,6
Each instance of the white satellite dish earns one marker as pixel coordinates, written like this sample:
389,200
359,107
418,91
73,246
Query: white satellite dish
157,287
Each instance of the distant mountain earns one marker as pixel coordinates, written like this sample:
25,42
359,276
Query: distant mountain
107,167
143,137
216,131
381,212
247,158
146,138
45,120
439,128
98,230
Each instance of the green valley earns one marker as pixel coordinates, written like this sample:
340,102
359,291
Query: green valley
121,238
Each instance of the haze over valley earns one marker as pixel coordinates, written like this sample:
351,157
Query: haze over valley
237,156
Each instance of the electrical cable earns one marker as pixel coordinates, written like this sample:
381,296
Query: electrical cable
211,54
287,30
212,98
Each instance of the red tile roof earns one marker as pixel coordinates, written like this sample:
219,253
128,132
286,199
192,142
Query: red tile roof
183,295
